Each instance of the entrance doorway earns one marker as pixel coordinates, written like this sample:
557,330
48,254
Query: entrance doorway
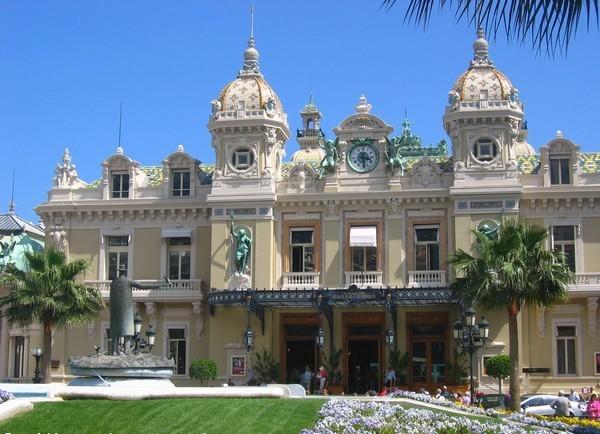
364,352
365,368
298,347
428,350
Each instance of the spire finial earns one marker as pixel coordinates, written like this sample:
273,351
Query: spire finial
252,22
11,206
480,49
251,54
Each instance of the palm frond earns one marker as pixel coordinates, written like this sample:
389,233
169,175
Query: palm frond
550,25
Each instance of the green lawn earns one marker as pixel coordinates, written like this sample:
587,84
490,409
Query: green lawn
201,415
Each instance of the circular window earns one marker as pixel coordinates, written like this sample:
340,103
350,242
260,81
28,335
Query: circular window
242,158
485,150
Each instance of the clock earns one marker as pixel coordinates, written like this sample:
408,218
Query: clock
362,156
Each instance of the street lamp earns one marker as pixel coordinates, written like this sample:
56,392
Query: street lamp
139,342
390,337
320,338
471,337
248,335
38,353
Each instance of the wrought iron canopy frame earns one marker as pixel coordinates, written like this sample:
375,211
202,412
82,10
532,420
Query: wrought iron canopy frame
323,300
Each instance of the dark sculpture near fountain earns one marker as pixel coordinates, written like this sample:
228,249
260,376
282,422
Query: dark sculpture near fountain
119,365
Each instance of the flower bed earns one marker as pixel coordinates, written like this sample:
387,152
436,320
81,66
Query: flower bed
340,416
5,396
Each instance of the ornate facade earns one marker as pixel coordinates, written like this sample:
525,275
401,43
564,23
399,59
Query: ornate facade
349,238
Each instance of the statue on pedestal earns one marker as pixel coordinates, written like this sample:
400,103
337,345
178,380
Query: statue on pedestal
243,243
121,310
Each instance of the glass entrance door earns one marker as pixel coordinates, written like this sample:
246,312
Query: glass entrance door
428,351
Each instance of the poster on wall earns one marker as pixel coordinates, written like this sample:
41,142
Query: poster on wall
597,357
238,365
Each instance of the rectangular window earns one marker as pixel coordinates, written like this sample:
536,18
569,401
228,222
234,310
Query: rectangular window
179,258
559,171
177,349
563,240
19,360
566,350
427,248
181,183
118,248
302,250
363,248
120,185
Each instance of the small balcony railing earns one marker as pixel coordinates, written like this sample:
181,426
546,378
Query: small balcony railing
301,280
427,278
178,288
362,279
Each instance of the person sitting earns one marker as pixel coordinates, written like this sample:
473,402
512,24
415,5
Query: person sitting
438,395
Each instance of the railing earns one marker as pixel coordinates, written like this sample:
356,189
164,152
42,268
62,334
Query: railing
176,285
584,279
427,278
301,280
362,279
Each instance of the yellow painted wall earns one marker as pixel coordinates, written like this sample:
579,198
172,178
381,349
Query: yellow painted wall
263,249
331,259
85,244
221,245
203,255
395,249
146,254
591,243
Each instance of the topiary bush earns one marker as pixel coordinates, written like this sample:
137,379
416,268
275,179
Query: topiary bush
498,367
204,369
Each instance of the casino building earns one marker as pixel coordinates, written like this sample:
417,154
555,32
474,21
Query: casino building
349,238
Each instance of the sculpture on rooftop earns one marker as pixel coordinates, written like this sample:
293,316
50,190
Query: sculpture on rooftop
331,160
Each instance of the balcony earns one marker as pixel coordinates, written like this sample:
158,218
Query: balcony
427,278
301,280
184,290
363,279
586,285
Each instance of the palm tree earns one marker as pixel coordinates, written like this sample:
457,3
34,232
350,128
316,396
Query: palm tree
511,270
49,295
548,23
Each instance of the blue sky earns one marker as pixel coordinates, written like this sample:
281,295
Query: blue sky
65,66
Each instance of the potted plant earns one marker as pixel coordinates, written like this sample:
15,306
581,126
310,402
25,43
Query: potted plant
266,366
399,363
203,369
457,370
331,364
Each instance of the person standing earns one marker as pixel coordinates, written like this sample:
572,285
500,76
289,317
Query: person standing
561,405
574,396
357,380
593,407
322,377
306,378
390,378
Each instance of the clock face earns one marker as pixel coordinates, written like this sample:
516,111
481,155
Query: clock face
363,156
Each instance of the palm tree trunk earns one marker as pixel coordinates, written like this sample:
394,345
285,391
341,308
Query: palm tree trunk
513,351
47,345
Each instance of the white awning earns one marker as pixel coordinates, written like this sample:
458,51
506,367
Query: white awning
363,236
176,233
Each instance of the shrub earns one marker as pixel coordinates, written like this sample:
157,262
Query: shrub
203,369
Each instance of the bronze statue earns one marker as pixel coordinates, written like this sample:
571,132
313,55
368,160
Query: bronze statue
121,309
242,248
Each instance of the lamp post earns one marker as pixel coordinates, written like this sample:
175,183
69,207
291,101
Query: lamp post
140,343
38,353
390,334
248,335
471,337
320,335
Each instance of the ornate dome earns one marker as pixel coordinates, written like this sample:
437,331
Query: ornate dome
249,87
307,155
482,81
